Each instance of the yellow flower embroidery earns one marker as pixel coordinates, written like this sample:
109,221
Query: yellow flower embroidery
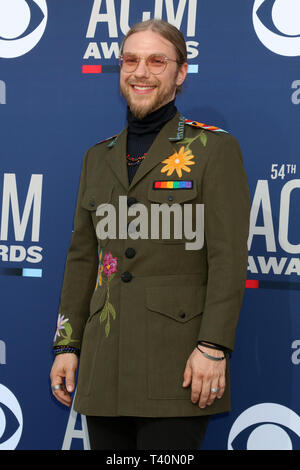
178,161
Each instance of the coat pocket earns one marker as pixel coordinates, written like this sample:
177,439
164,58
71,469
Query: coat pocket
167,208
174,317
93,197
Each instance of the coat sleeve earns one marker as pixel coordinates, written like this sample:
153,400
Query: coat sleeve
79,276
226,226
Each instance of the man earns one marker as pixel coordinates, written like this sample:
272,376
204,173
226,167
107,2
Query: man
153,321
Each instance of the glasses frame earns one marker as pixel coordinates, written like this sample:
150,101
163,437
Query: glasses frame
166,60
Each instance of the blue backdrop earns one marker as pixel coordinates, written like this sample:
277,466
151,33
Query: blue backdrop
59,95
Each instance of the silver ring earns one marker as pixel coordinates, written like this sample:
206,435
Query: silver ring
214,390
56,387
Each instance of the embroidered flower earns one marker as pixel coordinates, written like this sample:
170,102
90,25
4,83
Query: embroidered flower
178,161
64,326
110,264
110,268
60,325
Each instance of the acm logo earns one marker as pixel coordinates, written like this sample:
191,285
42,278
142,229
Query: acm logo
274,238
11,213
104,13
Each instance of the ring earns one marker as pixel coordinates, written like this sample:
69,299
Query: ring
214,390
56,387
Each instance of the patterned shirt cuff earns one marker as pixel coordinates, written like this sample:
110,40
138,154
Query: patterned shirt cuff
65,349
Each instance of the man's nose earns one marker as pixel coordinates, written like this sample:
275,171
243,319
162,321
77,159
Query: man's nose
142,69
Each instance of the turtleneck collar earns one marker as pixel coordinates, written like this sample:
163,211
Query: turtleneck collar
153,122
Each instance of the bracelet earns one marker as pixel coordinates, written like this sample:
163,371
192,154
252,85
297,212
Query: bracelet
211,346
211,357
65,349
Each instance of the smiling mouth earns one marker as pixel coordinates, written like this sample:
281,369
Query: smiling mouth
143,88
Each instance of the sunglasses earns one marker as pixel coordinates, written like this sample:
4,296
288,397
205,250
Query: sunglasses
156,63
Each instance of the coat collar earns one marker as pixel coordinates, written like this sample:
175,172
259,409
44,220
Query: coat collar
161,148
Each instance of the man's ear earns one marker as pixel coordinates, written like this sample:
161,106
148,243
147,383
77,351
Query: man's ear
182,73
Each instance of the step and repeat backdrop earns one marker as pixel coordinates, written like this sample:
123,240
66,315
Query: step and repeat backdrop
59,95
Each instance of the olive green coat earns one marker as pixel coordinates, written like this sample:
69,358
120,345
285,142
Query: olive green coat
136,330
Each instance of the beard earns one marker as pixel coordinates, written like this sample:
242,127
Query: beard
141,106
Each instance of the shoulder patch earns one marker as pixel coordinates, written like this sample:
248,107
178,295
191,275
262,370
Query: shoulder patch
106,140
203,126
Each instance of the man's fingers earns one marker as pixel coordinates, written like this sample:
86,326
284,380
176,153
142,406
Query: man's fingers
63,398
70,380
222,385
196,388
61,394
214,389
187,376
205,393
63,374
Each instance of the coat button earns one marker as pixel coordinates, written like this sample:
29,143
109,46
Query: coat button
126,276
131,201
182,314
92,204
130,252
170,198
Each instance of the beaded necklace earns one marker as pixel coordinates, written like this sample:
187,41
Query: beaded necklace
131,161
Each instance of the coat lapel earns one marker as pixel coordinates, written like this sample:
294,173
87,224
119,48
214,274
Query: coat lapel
116,158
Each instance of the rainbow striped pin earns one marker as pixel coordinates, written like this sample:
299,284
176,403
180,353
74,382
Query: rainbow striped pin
173,184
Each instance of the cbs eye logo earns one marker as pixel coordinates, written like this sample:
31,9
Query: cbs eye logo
21,27
11,420
267,426
277,25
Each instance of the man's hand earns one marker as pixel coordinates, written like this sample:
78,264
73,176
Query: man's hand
63,373
205,374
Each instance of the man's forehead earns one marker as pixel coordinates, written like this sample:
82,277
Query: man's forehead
148,42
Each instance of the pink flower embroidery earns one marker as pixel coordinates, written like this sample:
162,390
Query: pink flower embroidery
109,264
109,268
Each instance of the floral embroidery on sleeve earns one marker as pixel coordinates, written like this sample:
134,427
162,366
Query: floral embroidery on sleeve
110,269
64,330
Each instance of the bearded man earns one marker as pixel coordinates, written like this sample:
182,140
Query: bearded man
153,319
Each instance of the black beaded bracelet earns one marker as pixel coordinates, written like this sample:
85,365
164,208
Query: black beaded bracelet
212,346
65,349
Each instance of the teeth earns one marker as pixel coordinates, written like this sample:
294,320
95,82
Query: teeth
143,87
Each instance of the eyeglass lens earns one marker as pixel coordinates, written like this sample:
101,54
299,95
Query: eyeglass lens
155,63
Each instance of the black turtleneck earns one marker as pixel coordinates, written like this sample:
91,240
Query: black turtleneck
142,132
